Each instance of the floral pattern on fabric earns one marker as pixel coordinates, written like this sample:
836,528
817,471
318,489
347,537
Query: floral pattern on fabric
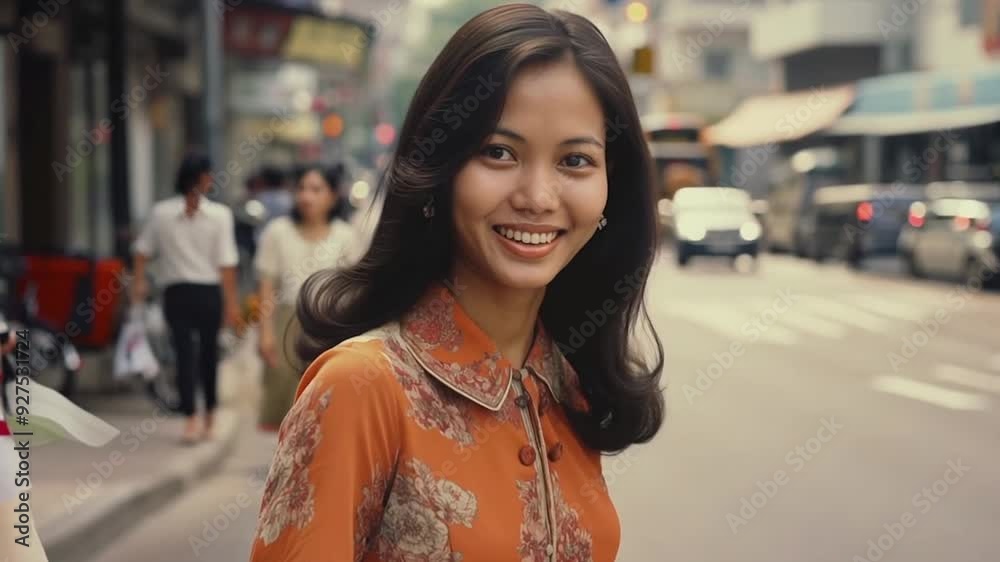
534,529
430,322
369,512
417,517
434,328
573,542
430,408
288,495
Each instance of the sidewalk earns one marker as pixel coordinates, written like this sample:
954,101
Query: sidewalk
83,498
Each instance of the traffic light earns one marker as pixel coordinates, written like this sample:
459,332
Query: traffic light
642,60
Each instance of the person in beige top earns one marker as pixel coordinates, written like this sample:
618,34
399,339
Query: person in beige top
312,238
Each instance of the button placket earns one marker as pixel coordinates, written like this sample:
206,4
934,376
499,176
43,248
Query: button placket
533,425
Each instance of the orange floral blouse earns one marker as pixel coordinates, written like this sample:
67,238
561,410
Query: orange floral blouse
419,442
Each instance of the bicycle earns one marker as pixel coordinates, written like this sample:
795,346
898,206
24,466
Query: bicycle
45,342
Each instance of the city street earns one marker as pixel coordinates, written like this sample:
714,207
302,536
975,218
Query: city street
804,444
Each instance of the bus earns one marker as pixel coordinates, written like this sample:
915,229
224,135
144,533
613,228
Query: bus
679,156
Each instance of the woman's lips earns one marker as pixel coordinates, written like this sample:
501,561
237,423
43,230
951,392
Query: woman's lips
528,251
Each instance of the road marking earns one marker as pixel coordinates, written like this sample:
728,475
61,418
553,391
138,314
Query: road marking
968,377
729,322
929,393
803,321
890,308
846,314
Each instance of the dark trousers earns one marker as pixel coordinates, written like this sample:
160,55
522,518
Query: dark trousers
194,310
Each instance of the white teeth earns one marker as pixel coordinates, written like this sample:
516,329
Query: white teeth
527,237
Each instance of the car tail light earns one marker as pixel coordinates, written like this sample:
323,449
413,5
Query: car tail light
865,211
918,210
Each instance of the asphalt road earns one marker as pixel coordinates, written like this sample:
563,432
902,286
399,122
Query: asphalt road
815,415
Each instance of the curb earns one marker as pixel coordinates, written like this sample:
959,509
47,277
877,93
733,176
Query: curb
85,534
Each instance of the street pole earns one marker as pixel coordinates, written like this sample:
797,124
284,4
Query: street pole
213,67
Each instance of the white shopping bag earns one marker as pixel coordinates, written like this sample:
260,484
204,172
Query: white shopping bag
53,418
133,354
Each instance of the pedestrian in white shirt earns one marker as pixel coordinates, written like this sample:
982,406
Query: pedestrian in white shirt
312,237
193,240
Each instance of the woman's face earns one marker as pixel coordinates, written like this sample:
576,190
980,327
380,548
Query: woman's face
314,197
533,196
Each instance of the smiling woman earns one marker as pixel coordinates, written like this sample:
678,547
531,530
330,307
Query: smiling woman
439,419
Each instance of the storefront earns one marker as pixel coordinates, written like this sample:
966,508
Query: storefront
759,136
289,69
933,126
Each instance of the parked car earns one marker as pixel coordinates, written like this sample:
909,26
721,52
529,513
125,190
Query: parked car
714,221
790,197
854,222
953,238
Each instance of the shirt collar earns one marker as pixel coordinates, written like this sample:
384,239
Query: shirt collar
182,207
454,350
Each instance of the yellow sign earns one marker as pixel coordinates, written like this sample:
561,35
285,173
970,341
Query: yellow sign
327,42
642,60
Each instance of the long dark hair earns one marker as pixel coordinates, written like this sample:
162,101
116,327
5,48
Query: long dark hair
409,252
334,177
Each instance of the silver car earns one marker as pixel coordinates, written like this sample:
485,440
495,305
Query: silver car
953,238
714,221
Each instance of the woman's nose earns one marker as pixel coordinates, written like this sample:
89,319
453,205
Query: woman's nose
537,193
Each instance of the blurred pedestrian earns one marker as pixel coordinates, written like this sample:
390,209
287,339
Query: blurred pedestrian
312,237
440,419
273,193
193,240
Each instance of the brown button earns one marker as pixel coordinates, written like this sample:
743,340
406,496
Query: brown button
555,452
527,455
521,401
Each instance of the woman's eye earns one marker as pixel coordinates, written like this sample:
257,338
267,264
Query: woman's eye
498,153
576,161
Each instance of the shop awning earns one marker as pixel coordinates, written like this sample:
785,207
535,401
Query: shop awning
919,102
781,117
920,122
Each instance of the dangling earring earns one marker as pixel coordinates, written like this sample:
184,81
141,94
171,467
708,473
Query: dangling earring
602,223
429,208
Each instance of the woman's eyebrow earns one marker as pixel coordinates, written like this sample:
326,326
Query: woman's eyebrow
575,140
508,133
582,140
